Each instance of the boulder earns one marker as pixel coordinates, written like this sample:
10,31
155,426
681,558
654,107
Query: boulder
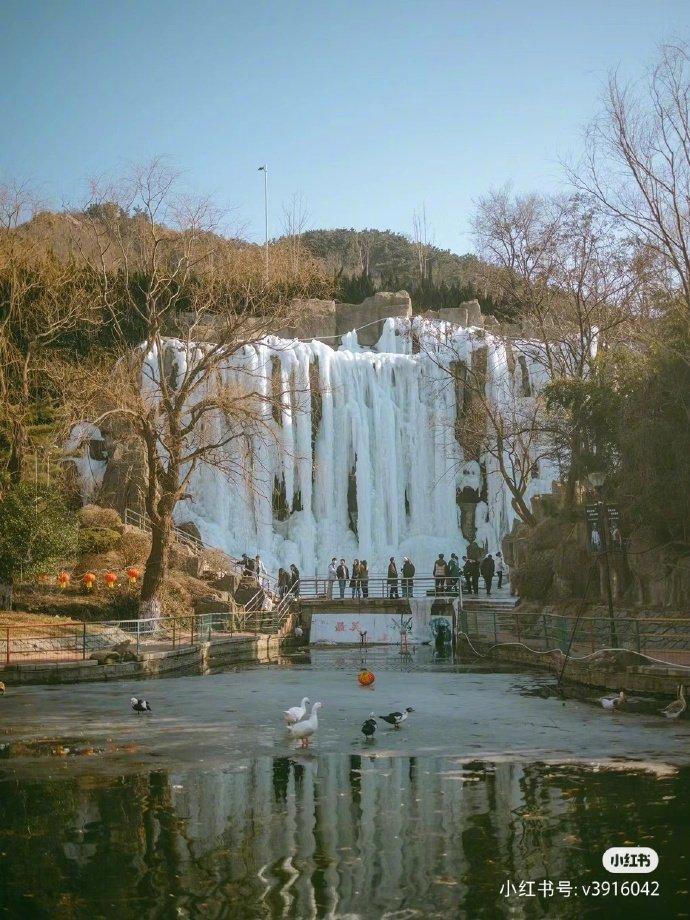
190,528
127,650
106,656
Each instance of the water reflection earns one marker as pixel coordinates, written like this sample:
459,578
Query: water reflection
331,836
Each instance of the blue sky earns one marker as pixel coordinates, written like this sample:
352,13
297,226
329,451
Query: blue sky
367,109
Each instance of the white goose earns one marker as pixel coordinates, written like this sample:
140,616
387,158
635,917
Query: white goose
613,702
304,730
296,713
677,707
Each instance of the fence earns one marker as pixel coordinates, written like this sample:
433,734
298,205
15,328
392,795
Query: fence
382,586
665,639
74,641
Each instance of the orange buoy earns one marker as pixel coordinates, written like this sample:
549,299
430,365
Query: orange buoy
366,677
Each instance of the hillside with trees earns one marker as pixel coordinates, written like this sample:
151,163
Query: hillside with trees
363,262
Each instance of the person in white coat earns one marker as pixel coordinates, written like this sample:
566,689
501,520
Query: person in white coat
501,570
332,575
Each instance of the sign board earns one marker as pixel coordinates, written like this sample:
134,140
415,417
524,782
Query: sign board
599,516
416,626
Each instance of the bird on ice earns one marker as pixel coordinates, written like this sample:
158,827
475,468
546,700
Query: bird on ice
296,713
395,718
613,702
369,727
677,707
140,705
308,727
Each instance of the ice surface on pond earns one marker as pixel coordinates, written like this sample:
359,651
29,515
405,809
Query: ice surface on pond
362,458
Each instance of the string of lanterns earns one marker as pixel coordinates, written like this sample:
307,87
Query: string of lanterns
89,579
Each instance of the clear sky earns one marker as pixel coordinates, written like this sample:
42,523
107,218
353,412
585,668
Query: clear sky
367,107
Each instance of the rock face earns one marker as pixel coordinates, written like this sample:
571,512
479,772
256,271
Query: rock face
371,314
124,480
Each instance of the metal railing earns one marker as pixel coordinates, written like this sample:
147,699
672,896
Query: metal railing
141,522
75,641
664,639
381,586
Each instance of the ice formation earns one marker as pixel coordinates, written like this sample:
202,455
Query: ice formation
89,468
363,461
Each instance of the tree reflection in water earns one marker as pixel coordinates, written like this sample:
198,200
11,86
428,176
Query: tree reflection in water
333,835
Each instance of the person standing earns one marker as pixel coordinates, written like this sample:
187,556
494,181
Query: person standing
260,571
392,578
467,574
500,569
364,577
408,571
283,582
294,580
354,581
440,572
332,575
454,575
474,576
488,568
343,574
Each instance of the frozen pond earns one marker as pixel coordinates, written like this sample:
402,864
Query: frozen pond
206,808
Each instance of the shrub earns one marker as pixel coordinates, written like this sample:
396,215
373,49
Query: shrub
93,540
534,577
95,516
36,530
134,547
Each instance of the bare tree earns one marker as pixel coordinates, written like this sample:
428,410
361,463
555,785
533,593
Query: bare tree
161,272
572,279
637,164
422,240
295,222
43,301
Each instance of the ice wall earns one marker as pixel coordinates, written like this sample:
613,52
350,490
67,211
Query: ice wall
362,460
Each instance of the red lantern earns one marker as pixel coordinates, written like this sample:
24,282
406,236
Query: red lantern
63,580
366,677
111,580
89,580
132,575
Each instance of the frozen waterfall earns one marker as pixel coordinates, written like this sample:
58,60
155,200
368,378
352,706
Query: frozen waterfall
364,459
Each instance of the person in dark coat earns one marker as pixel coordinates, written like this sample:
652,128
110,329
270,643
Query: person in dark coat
354,580
440,572
408,571
474,575
364,577
467,574
454,573
283,582
488,568
294,580
392,578
343,574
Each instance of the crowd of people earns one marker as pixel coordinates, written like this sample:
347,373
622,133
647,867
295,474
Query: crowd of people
450,575
400,583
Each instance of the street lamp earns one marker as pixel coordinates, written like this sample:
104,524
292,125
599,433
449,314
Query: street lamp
596,480
264,170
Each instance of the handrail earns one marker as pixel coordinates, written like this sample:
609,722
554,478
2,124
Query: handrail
142,522
382,586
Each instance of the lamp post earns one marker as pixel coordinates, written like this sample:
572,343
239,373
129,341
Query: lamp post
596,480
264,170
